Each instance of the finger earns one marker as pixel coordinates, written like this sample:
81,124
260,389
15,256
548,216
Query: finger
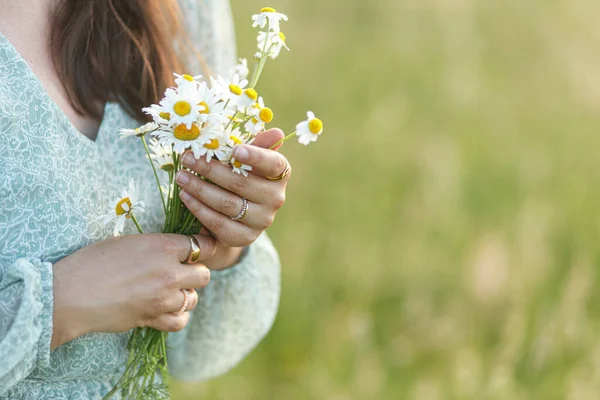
228,231
251,187
264,161
208,247
176,300
193,276
225,202
170,322
268,138
192,299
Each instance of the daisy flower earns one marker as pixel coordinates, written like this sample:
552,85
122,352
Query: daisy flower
182,138
181,105
247,99
159,117
232,91
240,69
162,155
309,130
122,208
235,137
185,79
139,132
240,168
261,116
268,16
215,145
273,42
211,107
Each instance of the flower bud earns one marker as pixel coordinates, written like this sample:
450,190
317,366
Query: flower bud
258,56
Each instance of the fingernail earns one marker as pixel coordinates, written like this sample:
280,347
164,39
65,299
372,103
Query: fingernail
188,159
240,153
184,195
182,178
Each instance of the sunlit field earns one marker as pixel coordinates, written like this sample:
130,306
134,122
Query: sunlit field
441,240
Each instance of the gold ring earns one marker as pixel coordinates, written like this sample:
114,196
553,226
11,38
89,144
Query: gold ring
195,253
186,302
285,173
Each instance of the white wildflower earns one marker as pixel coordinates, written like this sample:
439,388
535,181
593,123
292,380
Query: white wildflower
308,131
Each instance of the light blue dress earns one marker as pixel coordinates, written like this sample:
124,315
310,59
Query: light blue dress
54,185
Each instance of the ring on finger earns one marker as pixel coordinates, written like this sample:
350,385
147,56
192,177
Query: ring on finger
186,302
244,211
195,253
283,175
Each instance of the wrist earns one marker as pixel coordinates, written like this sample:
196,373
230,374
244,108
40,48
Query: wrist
225,257
66,323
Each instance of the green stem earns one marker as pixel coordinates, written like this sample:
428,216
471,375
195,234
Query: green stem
162,198
137,225
231,120
163,339
262,62
123,378
282,140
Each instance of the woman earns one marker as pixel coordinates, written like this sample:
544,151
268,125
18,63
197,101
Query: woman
69,293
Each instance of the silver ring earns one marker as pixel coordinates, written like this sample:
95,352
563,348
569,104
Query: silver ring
242,213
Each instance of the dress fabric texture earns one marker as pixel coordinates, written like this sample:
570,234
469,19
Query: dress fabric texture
55,184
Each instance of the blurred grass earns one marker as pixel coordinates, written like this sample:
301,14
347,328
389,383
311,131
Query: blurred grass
440,241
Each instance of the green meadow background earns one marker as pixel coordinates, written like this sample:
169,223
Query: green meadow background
441,239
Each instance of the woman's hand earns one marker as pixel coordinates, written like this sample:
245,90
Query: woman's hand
127,282
217,202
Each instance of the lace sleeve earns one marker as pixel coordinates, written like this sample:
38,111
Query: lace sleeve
25,319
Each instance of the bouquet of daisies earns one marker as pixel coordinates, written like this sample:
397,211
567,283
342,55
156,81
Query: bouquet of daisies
208,117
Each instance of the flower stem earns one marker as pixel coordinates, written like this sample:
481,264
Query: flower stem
262,62
137,225
162,198
282,140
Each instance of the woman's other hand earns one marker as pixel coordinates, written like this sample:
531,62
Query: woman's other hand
128,282
217,202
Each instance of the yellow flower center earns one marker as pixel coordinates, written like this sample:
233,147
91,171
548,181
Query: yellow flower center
213,145
315,126
237,164
188,78
235,89
282,36
183,133
235,139
165,115
205,110
252,94
182,108
120,210
267,10
266,114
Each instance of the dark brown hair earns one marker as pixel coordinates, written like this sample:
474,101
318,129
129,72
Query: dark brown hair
115,50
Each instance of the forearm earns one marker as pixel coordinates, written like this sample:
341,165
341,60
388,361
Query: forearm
67,324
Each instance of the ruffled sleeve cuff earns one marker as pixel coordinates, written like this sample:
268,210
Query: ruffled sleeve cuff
26,297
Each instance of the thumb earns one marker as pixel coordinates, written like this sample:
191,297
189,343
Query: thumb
267,138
